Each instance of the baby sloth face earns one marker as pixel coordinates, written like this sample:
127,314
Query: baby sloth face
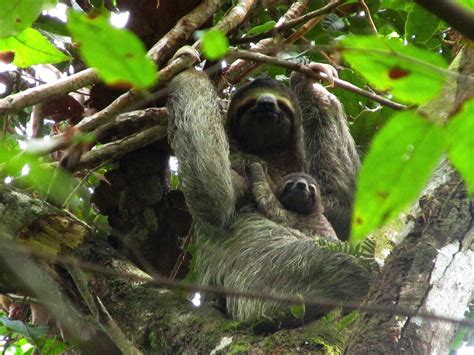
298,192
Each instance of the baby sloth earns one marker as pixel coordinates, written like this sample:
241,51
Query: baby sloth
296,202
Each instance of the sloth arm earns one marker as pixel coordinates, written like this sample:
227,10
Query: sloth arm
331,155
198,138
267,202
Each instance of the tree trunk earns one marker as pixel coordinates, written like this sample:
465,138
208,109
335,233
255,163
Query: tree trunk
431,269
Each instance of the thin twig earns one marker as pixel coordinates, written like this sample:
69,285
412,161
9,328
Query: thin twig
182,256
163,281
240,69
262,58
279,28
369,16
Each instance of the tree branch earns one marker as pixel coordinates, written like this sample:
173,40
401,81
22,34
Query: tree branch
262,58
275,31
454,14
46,92
115,150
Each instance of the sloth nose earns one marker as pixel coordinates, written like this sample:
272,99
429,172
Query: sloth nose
268,101
301,185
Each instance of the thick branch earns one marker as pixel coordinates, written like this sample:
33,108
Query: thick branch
152,318
183,29
46,92
454,14
115,150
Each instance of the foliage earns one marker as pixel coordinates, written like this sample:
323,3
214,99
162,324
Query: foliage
400,161
122,64
412,74
214,44
406,61
22,338
31,47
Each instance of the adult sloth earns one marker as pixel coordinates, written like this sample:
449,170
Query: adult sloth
239,248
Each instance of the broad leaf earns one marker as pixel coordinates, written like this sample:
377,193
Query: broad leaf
35,333
17,15
412,74
214,45
400,160
467,3
421,25
461,148
118,55
31,47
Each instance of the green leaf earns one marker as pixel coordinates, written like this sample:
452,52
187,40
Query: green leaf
353,103
467,3
394,4
31,332
461,138
401,159
31,47
367,124
420,25
267,26
118,55
17,15
52,183
214,44
413,75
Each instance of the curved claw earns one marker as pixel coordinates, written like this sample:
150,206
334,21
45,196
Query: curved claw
327,69
187,51
256,169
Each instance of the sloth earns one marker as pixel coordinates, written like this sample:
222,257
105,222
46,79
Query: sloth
237,247
299,129
296,202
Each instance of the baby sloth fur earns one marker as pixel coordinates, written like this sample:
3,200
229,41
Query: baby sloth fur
296,202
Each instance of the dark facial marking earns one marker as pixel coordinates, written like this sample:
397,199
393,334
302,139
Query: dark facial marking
298,195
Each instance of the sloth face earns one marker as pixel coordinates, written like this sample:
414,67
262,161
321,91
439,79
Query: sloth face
262,116
299,194
264,123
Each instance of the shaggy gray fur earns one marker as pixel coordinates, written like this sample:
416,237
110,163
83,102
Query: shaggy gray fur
240,248
331,154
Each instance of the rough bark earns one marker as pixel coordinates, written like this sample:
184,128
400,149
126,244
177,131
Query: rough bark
119,298
430,270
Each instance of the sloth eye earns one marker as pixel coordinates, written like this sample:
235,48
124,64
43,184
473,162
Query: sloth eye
245,106
313,189
287,187
285,108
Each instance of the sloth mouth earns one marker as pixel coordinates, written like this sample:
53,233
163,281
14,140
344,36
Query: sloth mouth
299,201
266,113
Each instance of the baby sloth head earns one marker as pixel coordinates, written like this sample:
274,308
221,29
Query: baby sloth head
298,192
